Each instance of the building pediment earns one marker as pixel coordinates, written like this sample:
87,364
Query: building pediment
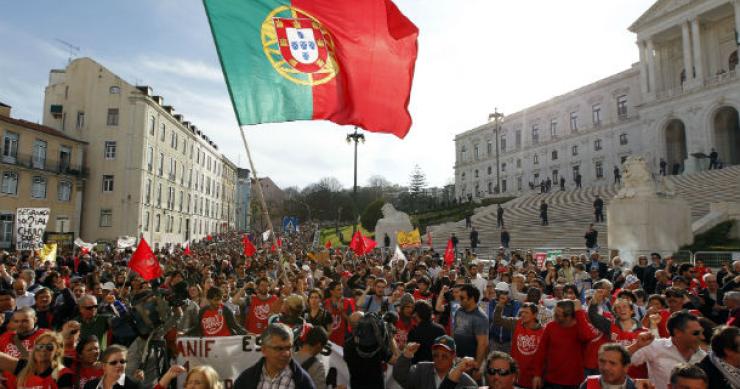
659,10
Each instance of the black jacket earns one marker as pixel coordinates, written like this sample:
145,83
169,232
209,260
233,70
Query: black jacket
128,383
250,378
716,379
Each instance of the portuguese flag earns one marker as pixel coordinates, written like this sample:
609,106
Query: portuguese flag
347,61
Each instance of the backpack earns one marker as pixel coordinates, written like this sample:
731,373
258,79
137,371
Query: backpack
371,336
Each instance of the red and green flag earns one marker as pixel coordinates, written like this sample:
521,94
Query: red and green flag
350,62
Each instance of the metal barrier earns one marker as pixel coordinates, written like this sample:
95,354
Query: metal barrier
682,256
716,258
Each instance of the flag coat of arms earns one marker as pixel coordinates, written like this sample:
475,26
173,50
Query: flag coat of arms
350,62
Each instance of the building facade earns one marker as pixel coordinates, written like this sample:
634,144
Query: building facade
229,182
41,168
151,172
654,109
243,189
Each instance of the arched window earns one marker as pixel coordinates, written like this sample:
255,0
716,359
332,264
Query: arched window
114,90
733,60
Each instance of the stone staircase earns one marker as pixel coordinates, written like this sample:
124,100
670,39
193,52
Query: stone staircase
571,211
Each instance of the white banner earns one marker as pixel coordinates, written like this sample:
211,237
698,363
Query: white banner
30,224
231,355
125,242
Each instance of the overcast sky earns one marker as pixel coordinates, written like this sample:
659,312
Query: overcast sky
474,55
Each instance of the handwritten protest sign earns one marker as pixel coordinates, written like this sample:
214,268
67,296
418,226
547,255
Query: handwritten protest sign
30,224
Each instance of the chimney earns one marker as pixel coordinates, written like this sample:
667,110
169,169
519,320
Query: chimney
4,109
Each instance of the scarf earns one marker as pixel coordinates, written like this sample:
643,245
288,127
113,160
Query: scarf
730,373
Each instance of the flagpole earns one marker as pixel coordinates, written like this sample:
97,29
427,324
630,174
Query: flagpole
263,204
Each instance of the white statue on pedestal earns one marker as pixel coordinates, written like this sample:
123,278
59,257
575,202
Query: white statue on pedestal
391,222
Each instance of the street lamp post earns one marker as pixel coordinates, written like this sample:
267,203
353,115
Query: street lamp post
497,118
356,137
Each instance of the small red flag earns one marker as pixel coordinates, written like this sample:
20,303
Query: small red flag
273,248
361,244
209,237
249,249
280,242
450,253
327,244
187,250
144,262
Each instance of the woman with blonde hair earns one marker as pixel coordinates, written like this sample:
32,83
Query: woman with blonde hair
199,377
43,369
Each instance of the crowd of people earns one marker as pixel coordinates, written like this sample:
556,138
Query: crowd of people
412,322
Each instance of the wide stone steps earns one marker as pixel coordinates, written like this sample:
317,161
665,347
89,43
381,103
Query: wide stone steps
571,211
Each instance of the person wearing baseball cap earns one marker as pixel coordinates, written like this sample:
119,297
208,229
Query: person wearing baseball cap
424,375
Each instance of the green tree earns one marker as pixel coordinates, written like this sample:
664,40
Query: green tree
417,182
372,214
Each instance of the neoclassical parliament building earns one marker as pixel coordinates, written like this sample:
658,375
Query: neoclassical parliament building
675,105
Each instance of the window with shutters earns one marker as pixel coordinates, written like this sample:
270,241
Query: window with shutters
106,217
64,190
112,119
38,187
10,183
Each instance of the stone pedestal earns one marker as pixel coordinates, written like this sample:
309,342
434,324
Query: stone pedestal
695,165
392,222
648,223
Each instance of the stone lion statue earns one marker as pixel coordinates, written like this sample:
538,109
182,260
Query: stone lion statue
637,179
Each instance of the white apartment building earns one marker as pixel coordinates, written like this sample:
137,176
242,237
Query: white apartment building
151,172
653,109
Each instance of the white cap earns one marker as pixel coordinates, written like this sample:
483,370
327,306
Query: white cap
502,287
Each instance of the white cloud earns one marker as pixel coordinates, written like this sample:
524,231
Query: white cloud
181,67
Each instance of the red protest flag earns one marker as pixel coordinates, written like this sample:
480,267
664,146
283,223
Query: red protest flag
356,243
144,262
327,244
187,250
249,249
449,253
273,248
368,244
209,237
280,242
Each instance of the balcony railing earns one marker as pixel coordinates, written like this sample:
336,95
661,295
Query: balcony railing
60,166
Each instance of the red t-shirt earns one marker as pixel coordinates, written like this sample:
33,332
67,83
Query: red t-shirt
339,325
213,322
523,349
89,374
259,312
47,380
8,346
402,332
559,357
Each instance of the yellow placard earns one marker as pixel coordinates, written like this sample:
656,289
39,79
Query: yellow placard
409,239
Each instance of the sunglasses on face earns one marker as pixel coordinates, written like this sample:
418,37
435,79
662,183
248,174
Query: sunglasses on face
46,346
116,362
501,372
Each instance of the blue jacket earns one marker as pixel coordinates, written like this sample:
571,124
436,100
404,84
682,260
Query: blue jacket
498,333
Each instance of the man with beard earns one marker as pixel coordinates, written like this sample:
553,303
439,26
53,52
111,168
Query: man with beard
259,307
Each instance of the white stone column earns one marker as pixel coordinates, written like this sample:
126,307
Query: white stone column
687,65
698,60
643,68
651,65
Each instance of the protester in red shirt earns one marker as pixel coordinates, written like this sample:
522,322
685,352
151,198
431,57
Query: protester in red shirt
423,292
527,333
405,321
44,369
19,343
259,307
340,308
86,365
559,357
216,319
624,329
